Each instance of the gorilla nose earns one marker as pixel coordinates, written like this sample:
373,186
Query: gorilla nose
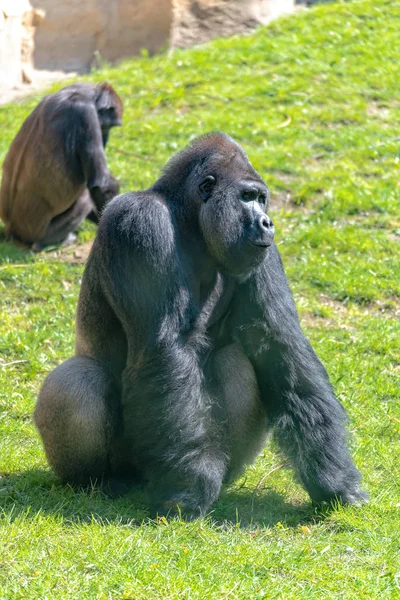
265,230
265,224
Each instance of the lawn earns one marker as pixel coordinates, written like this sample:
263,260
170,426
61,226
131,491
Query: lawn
315,101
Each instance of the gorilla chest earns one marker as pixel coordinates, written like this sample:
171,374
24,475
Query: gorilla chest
210,306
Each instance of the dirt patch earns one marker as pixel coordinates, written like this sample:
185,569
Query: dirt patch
374,109
76,253
384,308
395,237
40,81
339,320
343,313
283,176
281,199
388,308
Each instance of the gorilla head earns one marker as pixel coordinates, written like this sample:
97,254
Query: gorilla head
109,109
225,199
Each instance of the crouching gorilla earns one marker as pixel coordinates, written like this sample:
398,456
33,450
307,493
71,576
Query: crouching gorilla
55,173
189,349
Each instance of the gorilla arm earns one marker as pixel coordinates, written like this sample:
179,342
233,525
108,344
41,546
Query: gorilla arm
309,421
166,413
101,185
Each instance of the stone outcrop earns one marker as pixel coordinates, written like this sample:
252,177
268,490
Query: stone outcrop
197,21
72,35
11,34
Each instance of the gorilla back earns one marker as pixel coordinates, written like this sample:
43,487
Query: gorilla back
189,349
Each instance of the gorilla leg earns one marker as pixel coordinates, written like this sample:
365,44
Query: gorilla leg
79,418
64,224
203,460
233,382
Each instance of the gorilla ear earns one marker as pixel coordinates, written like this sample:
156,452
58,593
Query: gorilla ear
206,187
104,96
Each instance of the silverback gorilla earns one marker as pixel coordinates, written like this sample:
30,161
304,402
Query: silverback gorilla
189,349
55,173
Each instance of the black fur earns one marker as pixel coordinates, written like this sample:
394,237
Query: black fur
189,347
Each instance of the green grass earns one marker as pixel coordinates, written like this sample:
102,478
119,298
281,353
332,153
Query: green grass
315,101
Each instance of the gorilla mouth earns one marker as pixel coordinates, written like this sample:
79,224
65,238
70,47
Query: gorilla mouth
261,244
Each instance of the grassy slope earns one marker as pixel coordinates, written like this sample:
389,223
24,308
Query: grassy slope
315,101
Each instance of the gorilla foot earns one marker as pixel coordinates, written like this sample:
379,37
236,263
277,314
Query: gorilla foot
39,246
356,497
70,239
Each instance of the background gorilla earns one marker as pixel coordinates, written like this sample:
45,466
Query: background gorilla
188,346
55,173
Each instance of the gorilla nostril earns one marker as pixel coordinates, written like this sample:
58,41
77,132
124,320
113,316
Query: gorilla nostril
265,223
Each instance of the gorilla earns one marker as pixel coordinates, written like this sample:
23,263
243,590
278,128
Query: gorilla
189,348
55,173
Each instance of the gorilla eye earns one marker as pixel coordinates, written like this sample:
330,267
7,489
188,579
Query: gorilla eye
249,195
105,111
206,187
262,198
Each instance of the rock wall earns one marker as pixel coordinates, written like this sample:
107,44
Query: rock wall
71,35
196,21
11,33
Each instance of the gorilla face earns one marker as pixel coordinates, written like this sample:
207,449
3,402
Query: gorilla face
109,109
233,221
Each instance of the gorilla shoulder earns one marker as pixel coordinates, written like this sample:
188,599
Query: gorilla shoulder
140,222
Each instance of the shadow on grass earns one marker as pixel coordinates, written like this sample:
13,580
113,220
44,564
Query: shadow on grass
11,253
40,492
